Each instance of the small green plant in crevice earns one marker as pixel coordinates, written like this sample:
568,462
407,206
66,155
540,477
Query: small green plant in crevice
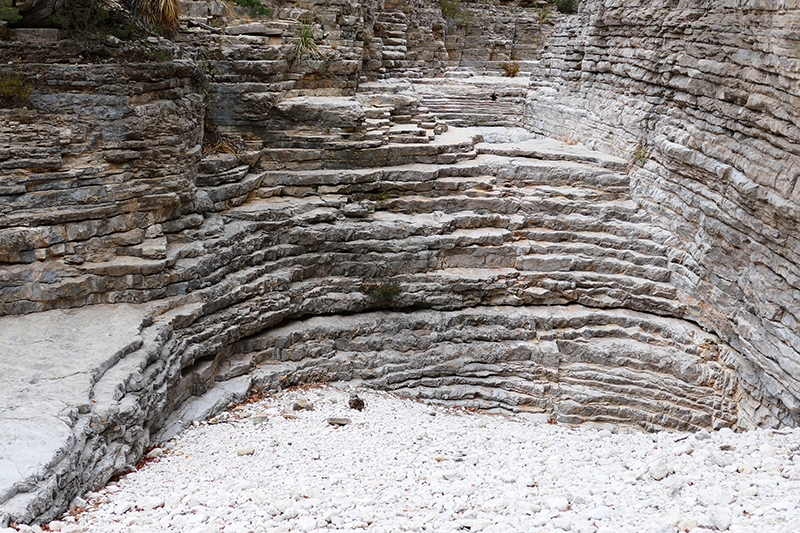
381,291
510,69
453,11
382,196
566,6
14,90
543,14
306,45
159,55
92,20
254,7
8,13
640,156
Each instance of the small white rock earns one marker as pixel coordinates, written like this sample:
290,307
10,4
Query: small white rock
155,452
720,517
558,503
658,470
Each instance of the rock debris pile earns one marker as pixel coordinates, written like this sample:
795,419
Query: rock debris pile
406,466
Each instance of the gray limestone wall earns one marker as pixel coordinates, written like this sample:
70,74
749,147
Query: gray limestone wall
659,288
702,98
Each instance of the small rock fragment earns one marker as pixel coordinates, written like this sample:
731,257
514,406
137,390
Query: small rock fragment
246,451
260,418
289,415
77,503
303,405
659,470
155,452
720,517
355,402
122,508
558,503
149,503
74,528
334,421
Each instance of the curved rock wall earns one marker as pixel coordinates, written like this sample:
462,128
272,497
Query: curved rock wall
704,103
368,244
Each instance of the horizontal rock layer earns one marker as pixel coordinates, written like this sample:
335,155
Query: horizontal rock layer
368,243
704,103
549,229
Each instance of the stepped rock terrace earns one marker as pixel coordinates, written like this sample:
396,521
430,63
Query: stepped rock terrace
630,257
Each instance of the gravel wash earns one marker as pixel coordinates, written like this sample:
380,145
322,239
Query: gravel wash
401,465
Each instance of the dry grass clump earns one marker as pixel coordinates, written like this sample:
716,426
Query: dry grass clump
14,90
510,69
163,14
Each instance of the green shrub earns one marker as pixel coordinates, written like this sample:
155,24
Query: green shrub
8,13
543,14
640,157
89,20
453,10
255,7
14,90
566,6
381,291
306,44
160,56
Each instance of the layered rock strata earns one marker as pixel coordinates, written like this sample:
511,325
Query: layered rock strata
351,237
705,104
544,227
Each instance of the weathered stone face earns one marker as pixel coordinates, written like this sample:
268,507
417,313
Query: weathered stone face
704,102
350,237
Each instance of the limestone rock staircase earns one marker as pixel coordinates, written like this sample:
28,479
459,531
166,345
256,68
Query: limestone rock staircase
594,334
518,276
475,101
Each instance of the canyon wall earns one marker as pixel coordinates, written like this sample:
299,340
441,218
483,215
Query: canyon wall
177,233
705,103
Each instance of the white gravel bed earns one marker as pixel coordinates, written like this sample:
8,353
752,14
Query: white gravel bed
406,466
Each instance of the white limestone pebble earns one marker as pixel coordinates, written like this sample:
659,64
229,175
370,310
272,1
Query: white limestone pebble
395,468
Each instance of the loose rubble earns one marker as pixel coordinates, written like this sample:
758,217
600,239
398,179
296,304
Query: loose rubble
396,468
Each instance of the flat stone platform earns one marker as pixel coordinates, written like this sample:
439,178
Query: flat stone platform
51,362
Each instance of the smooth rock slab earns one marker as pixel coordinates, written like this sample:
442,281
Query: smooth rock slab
50,363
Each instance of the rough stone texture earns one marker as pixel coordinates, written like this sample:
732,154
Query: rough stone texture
590,337
705,102
53,365
476,101
107,155
658,289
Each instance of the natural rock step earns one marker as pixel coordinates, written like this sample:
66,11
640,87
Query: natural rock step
601,265
622,363
229,195
499,203
524,247
387,27
581,223
625,244
552,149
392,55
393,41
